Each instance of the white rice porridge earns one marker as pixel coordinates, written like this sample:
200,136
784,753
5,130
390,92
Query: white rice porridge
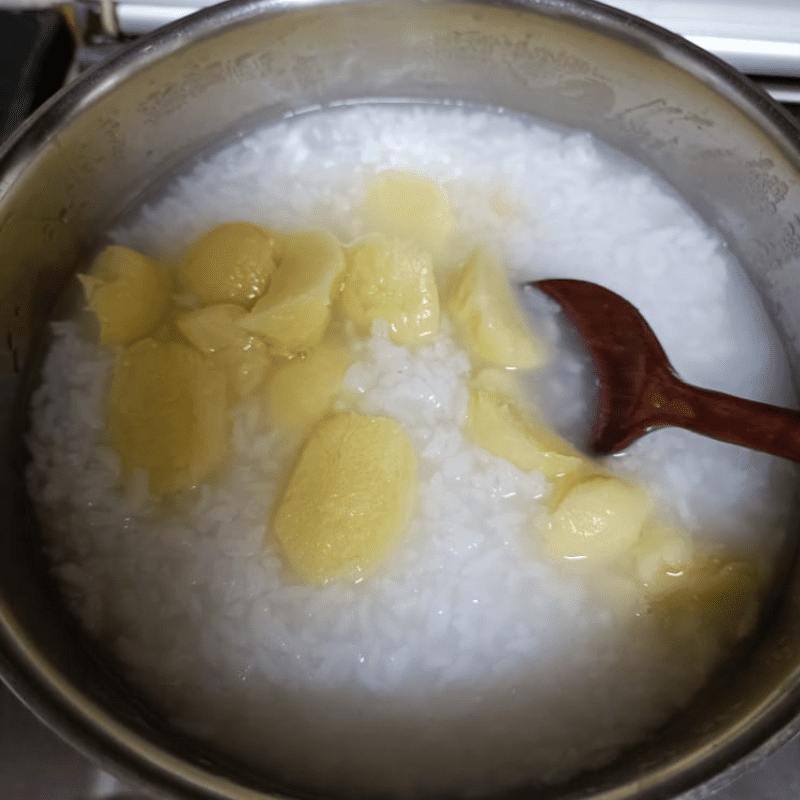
470,661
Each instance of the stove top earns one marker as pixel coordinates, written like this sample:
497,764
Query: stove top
760,38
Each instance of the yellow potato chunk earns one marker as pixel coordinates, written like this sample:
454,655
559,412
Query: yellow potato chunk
500,426
294,312
246,366
719,598
501,381
213,327
348,499
302,391
392,279
167,414
215,330
489,319
128,292
231,263
662,555
404,205
598,519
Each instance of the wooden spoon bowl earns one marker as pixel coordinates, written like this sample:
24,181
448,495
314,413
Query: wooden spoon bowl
639,390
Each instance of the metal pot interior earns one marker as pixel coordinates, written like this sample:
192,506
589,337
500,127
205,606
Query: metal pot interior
122,129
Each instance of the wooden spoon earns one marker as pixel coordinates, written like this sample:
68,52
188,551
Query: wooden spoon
639,390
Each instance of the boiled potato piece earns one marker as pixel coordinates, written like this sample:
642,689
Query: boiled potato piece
245,366
598,519
662,555
215,330
500,426
128,292
233,262
348,499
392,279
294,312
404,205
302,391
489,319
720,597
501,381
213,327
167,414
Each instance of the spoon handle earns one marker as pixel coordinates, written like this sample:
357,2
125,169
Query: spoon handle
749,423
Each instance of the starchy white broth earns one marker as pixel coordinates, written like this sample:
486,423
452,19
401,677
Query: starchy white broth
470,661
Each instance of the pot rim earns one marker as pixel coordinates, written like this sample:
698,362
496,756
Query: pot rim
94,731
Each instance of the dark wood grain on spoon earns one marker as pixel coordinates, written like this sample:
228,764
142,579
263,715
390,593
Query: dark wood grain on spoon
639,390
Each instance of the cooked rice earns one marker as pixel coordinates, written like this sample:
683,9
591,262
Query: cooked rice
470,662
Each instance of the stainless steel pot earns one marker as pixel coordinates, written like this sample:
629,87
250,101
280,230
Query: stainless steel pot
90,152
